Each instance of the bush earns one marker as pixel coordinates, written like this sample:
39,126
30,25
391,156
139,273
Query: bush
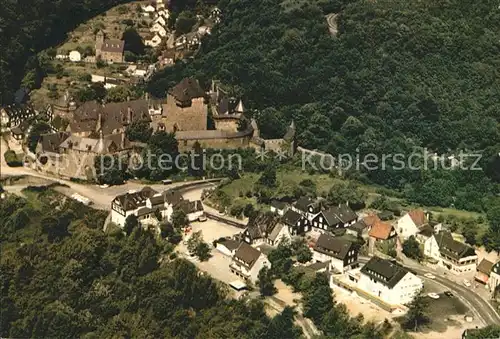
12,159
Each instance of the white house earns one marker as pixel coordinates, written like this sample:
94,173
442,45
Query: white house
128,204
454,255
164,12
411,223
227,246
148,9
157,27
161,20
153,40
15,115
342,254
247,262
389,282
307,207
494,279
265,228
75,56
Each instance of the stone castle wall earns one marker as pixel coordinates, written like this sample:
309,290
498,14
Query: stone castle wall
216,143
226,124
192,118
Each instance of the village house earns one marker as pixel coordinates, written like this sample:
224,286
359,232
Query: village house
342,254
388,281
411,223
483,271
227,111
227,246
359,229
148,9
265,228
454,255
147,203
381,234
158,28
75,56
160,19
167,58
13,115
296,223
494,280
307,207
153,40
108,50
278,207
247,262
335,217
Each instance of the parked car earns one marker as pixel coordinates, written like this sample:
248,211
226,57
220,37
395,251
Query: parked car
467,283
448,294
104,186
166,182
433,295
202,218
429,275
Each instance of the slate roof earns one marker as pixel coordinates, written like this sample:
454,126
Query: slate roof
190,206
157,199
359,226
230,244
172,197
247,255
261,225
331,217
143,210
485,266
426,231
384,271
131,201
381,230
186,90
303,203
278,204
333,246
275,232
291,218
113,46
452,248
50,142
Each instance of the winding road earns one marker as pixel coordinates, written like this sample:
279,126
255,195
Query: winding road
331,20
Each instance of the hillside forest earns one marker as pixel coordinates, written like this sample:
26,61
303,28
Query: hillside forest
399,78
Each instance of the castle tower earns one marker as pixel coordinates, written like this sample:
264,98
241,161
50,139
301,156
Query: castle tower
256,132
240,108
100,148
99,41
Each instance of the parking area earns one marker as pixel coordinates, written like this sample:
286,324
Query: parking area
213,230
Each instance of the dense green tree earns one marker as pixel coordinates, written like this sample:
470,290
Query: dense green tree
133,41
283,326
184,23
131,223
491,331
266,283
37,129
268,177
179,218
318,301
411,248
304,254
417,314
139,131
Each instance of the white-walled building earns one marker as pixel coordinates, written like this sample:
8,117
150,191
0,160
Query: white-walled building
148,9
307,207
157,27
389,282
247,262
153,40
342,254
75,56
278,207
227,246
454,255
147,203
411,223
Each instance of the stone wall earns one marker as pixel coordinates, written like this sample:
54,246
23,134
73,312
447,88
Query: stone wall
216,143
192,118
111,56
230,125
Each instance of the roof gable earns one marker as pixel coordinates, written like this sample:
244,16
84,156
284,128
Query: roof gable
381,230
333,246
247,255
384,271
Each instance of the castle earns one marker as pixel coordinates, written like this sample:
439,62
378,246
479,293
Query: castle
108,50
100,128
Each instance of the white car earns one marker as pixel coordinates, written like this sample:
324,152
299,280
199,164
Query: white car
433,295
104,186
467,283
429,275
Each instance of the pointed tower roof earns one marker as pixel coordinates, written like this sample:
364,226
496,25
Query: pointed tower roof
240,108
100,148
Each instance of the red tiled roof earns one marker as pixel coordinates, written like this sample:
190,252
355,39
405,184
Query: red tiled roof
418,217
381,230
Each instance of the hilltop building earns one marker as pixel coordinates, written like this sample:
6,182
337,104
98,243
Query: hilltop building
109,50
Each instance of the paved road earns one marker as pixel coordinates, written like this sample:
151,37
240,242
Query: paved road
476,303
331,19
101,197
